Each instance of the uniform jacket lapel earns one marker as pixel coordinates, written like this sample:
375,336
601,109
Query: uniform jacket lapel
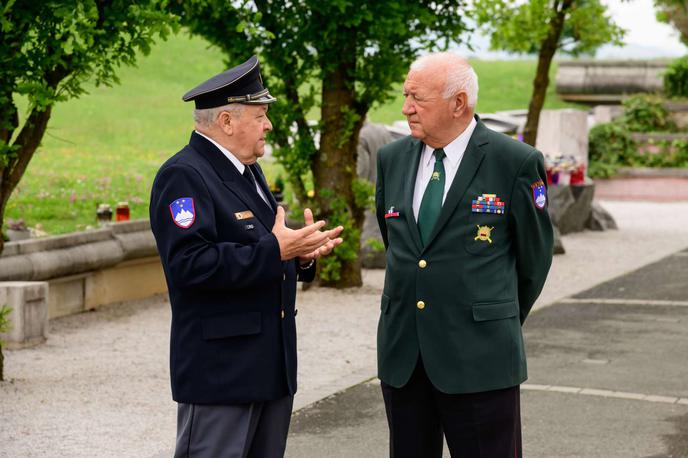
469,166
233,180
413,157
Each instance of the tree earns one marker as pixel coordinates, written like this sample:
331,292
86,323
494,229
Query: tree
50,49
545,27
674,12
352,52
4,327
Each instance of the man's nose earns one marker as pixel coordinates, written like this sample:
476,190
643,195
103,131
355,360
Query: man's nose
408,107
268,124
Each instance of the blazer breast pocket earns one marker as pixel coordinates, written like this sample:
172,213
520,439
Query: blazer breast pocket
486,233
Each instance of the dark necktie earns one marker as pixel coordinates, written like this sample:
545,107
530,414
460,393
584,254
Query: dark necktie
431,205
248,174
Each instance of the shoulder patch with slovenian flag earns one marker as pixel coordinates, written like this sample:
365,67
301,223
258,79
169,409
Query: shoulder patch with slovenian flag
183,212
539,194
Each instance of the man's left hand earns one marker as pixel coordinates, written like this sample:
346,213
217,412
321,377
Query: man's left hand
325,249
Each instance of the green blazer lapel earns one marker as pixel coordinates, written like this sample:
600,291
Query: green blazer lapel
469,166
413,156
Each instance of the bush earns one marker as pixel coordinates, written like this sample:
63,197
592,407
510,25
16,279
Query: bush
646,113
676,78
610,147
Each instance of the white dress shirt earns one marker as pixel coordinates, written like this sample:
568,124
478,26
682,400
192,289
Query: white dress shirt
237,163
454,153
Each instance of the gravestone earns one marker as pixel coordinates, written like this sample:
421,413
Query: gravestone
564,132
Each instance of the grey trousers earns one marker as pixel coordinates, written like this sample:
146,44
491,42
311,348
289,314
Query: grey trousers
256,430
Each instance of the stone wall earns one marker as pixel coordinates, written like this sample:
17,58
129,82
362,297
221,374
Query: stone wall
598,82
86,270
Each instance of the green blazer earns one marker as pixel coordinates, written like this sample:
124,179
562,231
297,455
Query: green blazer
460,301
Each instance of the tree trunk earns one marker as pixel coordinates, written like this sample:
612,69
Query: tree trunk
28,140
2,365
334,168
541,81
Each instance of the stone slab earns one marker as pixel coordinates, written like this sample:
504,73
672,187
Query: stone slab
28,317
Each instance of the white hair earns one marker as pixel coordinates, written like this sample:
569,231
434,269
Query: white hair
460,74
206,116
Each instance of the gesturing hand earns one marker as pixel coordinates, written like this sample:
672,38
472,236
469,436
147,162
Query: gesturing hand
324,249
302,242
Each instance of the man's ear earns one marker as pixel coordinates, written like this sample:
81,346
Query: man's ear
225,122
461,100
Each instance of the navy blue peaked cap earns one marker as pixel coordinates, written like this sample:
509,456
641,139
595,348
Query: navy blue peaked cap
240,84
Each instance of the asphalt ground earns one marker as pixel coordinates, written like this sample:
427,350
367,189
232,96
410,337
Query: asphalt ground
608,377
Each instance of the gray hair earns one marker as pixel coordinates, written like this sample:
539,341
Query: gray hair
206,116
460,74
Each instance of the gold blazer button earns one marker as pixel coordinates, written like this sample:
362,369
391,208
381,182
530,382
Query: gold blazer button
420,305
422,263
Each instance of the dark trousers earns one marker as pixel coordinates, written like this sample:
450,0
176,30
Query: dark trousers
256,430
476,425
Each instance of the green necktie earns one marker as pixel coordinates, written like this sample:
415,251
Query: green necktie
431,204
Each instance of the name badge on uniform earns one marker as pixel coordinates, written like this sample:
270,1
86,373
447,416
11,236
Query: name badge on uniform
243,215
183,212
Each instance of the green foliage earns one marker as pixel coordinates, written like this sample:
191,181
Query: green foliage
610,147
375,245
347,251
522,27
674,12
5,324
354,52
676,78
646,113
107,145
50,50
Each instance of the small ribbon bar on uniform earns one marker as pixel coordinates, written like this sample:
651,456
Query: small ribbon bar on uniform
488,203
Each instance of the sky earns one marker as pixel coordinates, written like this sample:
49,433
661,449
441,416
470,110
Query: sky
644,34
645,37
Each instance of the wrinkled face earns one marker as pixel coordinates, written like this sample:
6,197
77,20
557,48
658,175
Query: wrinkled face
248,132
429,114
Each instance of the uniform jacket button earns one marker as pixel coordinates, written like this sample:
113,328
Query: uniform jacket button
420,305
422,263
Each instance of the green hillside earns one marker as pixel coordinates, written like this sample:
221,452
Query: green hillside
107,145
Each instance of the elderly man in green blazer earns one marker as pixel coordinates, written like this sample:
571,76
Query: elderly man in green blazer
463,215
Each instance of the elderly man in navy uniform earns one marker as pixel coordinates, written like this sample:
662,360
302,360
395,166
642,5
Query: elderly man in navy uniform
231,266
463,215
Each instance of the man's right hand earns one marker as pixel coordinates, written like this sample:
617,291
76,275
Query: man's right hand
301,242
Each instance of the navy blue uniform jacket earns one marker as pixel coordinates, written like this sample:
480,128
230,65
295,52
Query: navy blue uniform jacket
233,336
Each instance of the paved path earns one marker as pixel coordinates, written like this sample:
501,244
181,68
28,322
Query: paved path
99,386
608,378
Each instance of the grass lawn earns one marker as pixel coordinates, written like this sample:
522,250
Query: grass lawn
106,146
